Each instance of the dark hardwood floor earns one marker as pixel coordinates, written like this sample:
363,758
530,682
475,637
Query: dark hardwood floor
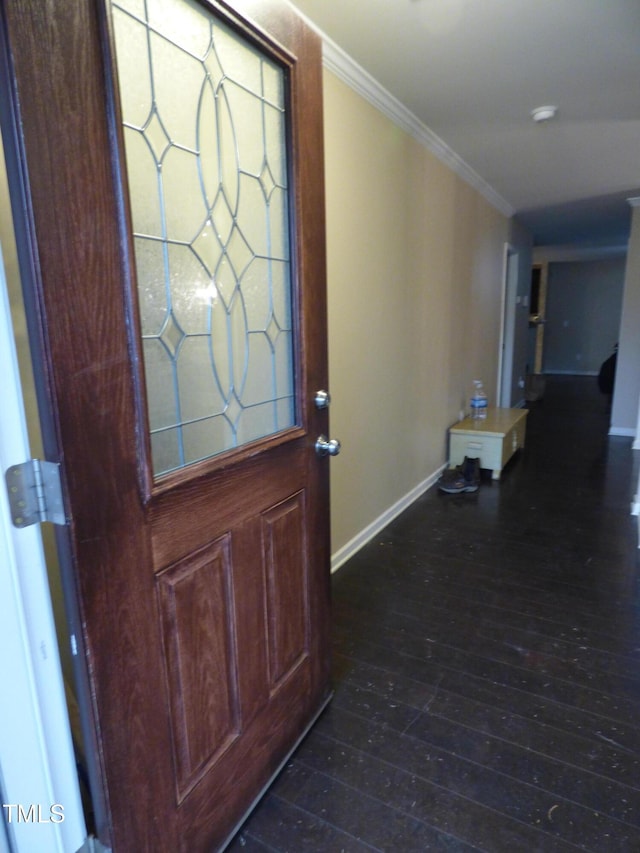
487,679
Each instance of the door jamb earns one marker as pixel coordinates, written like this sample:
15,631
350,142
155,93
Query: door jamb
507,324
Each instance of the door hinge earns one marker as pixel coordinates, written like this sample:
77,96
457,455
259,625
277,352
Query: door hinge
35,493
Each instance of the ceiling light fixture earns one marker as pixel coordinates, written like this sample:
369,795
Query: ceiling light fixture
543,113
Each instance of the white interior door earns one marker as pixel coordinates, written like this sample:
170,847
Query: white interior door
41,806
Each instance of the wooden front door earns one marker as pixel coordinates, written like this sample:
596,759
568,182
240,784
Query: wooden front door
180,292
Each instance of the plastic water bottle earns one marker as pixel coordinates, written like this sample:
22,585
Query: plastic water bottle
478,401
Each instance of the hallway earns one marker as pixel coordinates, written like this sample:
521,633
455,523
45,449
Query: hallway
486,669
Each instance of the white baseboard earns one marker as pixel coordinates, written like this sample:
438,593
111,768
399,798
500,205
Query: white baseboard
366,535
623,431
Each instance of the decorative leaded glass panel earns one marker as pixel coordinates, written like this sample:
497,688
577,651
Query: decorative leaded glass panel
205,140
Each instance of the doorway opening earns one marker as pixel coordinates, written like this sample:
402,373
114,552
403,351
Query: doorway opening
537,311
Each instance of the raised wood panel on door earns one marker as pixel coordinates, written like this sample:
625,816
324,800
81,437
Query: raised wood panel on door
286,588
201,653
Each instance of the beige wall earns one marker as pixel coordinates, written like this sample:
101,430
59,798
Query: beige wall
415,261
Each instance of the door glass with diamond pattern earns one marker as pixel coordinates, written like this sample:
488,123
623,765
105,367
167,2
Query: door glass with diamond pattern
205,139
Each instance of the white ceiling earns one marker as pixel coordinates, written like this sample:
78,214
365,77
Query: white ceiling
472,71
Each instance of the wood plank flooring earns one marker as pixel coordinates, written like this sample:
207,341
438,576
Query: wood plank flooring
487,678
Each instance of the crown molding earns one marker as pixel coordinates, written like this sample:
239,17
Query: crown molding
339,63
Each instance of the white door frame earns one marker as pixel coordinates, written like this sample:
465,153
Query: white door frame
37,765
507,325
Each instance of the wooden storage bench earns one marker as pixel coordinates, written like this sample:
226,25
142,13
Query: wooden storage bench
493,440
